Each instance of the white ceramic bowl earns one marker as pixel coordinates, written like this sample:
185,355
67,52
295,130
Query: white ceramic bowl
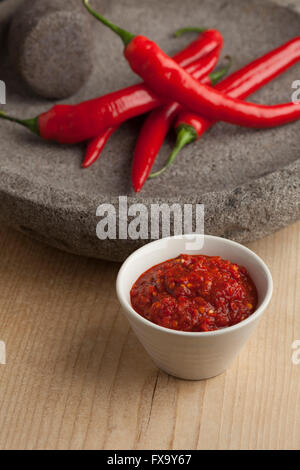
192,356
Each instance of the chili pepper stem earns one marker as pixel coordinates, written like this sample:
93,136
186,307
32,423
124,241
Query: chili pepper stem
31,124
185,133
185,136
189,29
215,77
126,36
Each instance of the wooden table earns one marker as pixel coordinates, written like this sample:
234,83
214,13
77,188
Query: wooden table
77,378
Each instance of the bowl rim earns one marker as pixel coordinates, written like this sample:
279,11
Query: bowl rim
227,330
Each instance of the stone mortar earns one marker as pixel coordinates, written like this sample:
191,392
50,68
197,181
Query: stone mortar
248,180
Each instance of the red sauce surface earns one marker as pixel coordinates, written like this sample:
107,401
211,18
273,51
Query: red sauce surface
195,293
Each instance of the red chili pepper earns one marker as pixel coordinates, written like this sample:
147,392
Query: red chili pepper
95,147
240,84
209,40
157,125
191,57
171,81
71,124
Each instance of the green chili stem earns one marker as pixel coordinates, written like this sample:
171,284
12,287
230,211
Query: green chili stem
190,29
216,76
186,135
122,33
31,124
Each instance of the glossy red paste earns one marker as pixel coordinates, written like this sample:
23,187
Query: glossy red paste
195,293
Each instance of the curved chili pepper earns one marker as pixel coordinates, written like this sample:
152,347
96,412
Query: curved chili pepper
95,147
241,84
171,81
207,42
157,125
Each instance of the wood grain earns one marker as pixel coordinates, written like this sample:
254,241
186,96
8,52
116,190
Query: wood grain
77,378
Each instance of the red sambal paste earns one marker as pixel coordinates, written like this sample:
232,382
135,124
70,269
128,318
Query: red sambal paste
195,293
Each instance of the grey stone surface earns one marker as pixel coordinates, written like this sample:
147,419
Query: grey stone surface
50,44
248,180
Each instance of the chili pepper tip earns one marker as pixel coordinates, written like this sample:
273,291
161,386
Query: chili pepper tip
189,29
31,124
126,36
186,135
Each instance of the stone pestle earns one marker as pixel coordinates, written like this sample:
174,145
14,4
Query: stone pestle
50,45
